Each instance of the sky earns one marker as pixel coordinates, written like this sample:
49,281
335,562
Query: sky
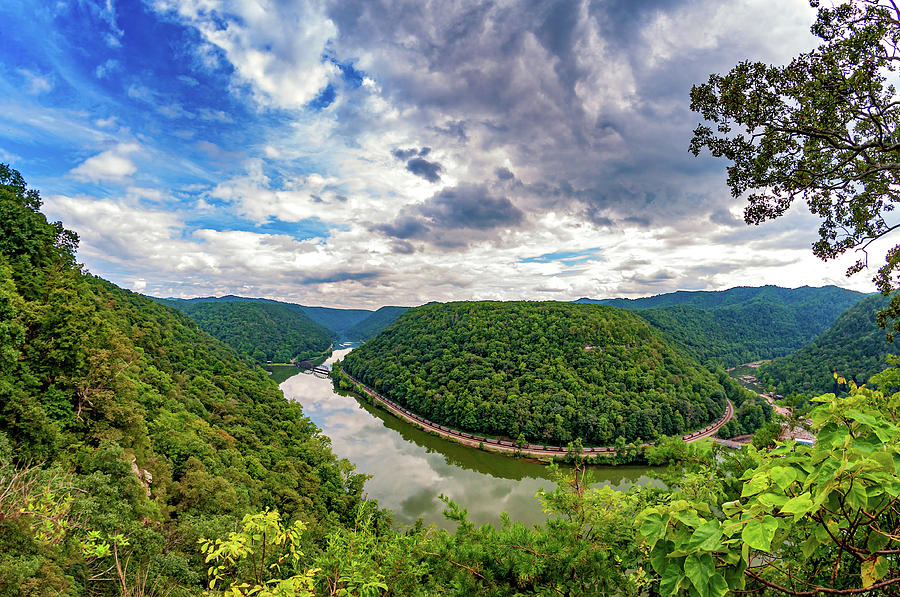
360,153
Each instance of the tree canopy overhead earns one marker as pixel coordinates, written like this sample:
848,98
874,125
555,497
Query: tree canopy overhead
822,129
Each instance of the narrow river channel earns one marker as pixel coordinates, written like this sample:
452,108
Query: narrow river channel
411,468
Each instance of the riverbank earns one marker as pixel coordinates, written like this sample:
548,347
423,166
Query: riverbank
537,451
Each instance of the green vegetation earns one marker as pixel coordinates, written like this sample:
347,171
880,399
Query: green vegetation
149,433
742,324
854,346
553,372
264,331
372,325
821,130
798,519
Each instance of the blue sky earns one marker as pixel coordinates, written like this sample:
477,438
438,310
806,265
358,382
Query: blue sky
362,153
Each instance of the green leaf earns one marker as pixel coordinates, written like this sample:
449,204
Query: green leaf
783,476
718,587
758,483
688,517
809,546
758,534
707,537
798,506
873,570
877,541
699,570
671,579
659,556
653,528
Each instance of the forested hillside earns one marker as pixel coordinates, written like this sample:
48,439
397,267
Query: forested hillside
854,347
550,371
742,324
332,319
262,330
374,323
138,427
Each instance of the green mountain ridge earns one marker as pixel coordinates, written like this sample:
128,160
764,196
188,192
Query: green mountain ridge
854,347
332,318
741,324
372,325
263,331
550,371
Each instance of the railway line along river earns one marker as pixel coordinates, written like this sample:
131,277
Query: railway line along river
411,468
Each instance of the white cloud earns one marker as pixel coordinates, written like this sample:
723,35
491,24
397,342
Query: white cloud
36,84
110,165
104,70
278,53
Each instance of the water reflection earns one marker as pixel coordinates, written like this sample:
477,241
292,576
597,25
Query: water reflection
411,468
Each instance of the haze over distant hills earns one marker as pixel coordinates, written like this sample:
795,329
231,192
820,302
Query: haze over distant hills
726,327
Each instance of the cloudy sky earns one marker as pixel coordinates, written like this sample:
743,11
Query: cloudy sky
359,153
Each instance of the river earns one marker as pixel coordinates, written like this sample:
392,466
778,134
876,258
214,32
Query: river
411,468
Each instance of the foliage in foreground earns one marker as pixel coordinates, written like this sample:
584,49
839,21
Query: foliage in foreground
808,520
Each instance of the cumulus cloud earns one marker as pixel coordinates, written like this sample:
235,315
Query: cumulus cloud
430,171
393,151
454,217
110,165
277,53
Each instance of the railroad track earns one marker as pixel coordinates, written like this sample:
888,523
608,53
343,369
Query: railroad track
509,446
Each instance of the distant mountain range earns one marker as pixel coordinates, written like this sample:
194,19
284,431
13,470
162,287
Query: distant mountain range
718,328
741,324
265,329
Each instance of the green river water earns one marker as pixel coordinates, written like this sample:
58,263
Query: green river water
411,468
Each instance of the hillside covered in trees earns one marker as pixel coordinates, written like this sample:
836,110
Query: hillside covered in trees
262,330
741,324
119,413
550,371
854,347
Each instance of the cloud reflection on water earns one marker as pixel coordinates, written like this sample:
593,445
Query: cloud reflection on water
410,468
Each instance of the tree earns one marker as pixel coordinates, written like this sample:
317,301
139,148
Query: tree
822,129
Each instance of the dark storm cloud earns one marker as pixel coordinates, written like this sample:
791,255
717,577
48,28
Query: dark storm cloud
404,154
402,247
571,92
338,276
430,171
417,164
470,206
405,227
504,173
454,217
